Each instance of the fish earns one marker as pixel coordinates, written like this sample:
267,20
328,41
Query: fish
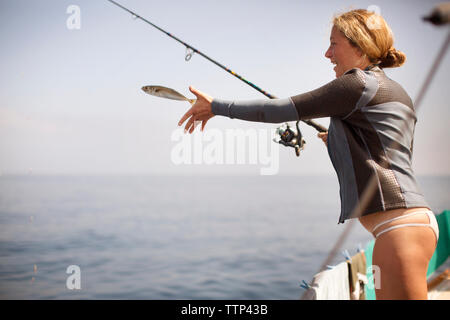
168,93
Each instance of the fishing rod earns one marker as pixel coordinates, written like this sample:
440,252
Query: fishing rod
295,138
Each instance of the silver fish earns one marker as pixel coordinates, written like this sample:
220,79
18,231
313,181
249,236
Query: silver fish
167,93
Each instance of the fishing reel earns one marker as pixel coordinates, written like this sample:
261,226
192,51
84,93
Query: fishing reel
290,137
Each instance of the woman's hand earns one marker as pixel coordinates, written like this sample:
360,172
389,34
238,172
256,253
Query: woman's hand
200,111
324,137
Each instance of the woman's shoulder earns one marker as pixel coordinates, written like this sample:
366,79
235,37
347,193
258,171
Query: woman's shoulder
390,90
358,81
374,82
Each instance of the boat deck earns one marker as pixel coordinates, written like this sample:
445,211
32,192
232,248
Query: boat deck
439,285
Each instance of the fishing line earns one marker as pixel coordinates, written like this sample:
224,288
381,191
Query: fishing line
190,51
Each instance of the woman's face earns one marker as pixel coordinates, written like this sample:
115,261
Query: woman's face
343,54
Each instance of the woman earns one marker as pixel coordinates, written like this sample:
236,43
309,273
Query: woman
372,122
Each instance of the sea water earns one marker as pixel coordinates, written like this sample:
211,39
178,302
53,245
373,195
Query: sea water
171,237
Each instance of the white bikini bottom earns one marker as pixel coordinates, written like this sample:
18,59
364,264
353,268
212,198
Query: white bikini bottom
432,224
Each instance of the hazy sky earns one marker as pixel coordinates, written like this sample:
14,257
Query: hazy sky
71,101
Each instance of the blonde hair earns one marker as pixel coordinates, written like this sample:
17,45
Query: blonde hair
371,34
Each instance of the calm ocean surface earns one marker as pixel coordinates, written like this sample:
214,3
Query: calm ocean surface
150,237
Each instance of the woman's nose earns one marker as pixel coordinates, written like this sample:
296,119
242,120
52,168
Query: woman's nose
328,53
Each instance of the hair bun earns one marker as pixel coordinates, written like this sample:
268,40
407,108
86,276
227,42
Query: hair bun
393,58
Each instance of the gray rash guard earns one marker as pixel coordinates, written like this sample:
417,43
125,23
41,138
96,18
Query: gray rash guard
367,113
